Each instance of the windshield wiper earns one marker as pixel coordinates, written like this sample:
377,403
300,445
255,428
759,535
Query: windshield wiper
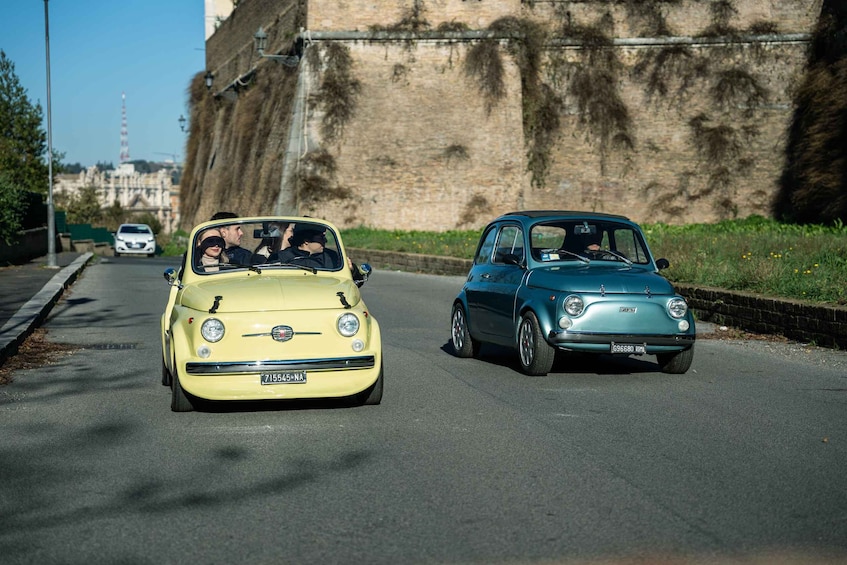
242,266
618,255
585,260
281,264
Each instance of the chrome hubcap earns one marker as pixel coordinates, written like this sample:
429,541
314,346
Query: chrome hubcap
458,329
527,343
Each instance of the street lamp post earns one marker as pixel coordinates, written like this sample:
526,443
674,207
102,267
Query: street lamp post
181,122
51,220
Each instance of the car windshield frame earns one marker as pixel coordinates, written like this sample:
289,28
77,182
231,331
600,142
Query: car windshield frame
565,239
258,230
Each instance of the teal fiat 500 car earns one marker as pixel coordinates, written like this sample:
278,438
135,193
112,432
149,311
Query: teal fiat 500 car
548,281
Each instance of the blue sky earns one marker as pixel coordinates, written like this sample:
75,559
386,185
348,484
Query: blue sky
149,49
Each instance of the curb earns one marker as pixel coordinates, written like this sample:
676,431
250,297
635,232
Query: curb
823,325
27,318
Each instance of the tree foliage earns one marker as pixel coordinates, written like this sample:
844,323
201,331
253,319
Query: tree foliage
23,142
84,207
814,183
12,204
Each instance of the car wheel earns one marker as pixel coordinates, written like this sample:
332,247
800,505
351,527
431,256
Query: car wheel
117,254
166,375
676,363
463,344
536,354
180,401
372,395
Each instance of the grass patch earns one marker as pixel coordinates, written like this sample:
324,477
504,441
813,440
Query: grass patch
754,255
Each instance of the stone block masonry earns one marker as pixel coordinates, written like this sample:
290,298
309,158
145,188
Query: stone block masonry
424,148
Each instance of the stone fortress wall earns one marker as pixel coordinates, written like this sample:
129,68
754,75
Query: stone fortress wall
683,126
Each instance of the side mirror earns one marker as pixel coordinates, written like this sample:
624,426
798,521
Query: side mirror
662,263
366,271
170,276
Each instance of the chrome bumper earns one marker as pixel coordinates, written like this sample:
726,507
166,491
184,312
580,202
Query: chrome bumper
333,364
565,338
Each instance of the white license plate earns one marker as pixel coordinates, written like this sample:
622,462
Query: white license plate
630,348
289,377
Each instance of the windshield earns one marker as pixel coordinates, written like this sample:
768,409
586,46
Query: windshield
588,240
135,229
268,244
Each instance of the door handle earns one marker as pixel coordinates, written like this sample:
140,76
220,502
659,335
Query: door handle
486,276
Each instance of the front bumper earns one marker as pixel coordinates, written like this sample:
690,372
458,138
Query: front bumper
128,247
242,367
601,342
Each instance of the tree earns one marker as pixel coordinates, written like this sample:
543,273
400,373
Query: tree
813,187
151,220
84,207
12,204
114,216
23,143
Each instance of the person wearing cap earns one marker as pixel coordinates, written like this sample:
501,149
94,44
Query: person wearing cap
210,251
308,248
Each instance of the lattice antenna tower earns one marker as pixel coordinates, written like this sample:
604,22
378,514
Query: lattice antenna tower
124,131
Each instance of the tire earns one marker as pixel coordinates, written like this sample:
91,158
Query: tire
536,355
463,344
166,375
372,395
180,401
117,254
676,363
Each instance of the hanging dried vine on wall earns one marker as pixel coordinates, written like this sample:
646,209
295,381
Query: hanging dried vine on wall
316,179
338,89
594,83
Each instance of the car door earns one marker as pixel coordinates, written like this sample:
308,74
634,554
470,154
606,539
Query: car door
476,287
497,275
508,268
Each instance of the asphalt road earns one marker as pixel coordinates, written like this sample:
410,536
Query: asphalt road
466,461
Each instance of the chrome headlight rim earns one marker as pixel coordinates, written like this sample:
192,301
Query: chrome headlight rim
348,324
573,305
677,308
212,330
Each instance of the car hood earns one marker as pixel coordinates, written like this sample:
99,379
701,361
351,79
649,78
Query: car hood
260,293
591,278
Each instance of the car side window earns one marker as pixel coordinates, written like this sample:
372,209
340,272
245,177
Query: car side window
483,254
509,245
628,244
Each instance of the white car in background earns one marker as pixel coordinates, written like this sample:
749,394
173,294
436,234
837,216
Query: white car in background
135,239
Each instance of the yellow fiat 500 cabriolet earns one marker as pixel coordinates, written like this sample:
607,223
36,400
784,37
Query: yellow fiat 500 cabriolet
268,308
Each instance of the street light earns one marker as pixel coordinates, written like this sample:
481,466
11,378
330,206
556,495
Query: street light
260,42
209,77
51,220
181,122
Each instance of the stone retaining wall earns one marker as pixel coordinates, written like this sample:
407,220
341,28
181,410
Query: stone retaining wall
825,326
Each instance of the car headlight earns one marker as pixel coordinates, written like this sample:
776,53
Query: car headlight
677,307
212,330
574,305
348,325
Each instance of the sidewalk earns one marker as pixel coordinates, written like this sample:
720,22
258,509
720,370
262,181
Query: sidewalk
29,292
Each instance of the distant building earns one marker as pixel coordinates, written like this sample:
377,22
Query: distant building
136,192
